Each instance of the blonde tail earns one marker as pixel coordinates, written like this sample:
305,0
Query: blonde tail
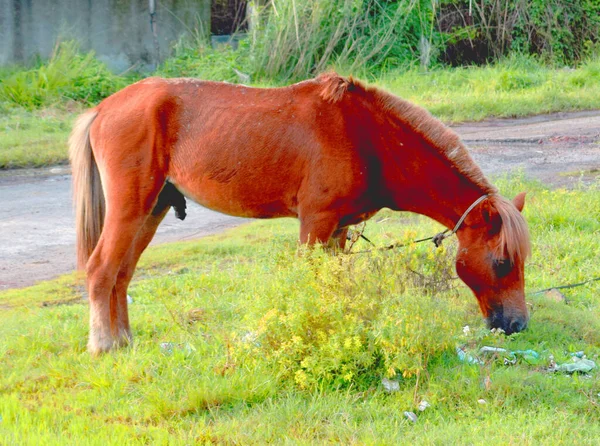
88,197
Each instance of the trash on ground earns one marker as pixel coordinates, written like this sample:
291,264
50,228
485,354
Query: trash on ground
169,347
465,357
580,365
411,416
423,405
390,386
555,295
129,299
510,356
482,401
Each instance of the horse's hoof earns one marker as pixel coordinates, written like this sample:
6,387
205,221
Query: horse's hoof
98,345
124,339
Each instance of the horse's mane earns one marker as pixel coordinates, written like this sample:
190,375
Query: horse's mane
514,237
513,240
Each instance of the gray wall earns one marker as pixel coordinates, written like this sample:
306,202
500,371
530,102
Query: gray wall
117,30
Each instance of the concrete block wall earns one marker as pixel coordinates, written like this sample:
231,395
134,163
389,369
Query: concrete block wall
118,31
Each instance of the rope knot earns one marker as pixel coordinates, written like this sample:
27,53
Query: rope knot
438,239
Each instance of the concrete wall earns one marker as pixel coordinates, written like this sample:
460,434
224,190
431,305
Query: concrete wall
117,30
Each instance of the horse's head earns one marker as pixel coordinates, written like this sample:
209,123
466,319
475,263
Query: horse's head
493,246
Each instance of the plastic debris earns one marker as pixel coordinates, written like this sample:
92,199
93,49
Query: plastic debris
423,405
580,365
466,330
169,347
465,357
390,386
411,416
482,401
487,349
129,299
251,337
511,355
579,354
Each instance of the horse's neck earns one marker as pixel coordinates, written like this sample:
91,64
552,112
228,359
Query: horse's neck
430,185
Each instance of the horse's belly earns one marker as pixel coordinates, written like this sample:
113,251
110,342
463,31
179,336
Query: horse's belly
240,200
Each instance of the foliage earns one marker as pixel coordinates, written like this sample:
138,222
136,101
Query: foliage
347,321
515,86
560,31
202,62
294,40
67,75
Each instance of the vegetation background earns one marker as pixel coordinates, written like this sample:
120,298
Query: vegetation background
239,340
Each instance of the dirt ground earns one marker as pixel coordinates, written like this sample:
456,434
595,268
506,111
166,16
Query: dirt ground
36,220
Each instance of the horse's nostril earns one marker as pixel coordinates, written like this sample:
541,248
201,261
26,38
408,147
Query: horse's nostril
516,326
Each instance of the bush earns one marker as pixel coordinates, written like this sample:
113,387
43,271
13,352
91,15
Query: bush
68,74
560,31
203,62
351,320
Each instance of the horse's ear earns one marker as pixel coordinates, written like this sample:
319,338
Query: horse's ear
491,217
519,201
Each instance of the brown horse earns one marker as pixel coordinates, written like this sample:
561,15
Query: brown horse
329,151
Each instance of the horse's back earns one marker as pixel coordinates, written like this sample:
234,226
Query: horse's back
245,151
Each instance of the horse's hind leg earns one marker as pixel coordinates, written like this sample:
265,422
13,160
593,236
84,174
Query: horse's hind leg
129,203
168,197
119,313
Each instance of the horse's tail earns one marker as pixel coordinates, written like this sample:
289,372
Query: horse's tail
88,197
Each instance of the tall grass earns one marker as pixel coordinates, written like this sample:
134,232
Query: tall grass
296,39
67,75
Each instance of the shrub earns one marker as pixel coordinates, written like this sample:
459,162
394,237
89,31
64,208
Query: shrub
68,74
351,320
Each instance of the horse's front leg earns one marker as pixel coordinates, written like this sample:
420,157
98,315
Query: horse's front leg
318,228
337,242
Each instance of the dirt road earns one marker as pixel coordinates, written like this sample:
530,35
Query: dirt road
36,221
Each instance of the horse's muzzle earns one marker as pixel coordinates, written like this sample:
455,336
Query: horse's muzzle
510,324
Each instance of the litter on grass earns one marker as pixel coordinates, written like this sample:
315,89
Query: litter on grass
390,386
579,365
510,355
411,416
423,405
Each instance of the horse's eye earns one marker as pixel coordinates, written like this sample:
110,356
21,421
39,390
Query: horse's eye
502,267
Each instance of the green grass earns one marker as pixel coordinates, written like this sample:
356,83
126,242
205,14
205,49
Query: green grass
34,138
512,88
246,365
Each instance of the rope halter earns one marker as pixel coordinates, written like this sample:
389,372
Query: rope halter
439,238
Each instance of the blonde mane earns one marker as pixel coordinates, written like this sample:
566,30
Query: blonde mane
513,241
514,236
